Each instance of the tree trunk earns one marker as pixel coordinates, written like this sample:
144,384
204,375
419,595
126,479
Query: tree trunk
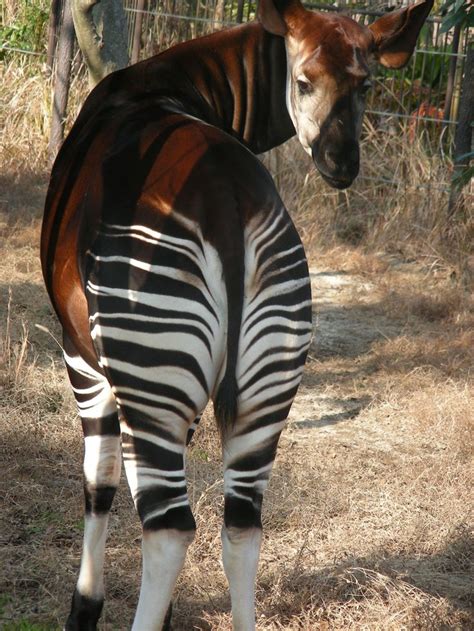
463,136
101,30
240,11
53,31
137,31
219,14
62,80
452,72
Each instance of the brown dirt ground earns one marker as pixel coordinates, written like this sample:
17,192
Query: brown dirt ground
369,513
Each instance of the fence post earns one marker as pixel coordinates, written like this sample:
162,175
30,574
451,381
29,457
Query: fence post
452,72
240,11
463,134
62,79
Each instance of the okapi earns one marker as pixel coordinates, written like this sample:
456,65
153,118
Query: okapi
178,276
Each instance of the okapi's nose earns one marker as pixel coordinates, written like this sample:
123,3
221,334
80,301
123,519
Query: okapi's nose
339,163
342,160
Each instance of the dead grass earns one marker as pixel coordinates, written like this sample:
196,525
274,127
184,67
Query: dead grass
397,206
368,517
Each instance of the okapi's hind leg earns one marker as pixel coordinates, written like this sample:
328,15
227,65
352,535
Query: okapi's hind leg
154,447
246,476
102,464
274,339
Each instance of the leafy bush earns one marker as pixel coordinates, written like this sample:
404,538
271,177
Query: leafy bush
24,26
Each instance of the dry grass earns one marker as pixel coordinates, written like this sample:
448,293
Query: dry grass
368,515
397,206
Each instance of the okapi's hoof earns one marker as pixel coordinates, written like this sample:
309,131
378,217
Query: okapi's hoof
167,622
85,613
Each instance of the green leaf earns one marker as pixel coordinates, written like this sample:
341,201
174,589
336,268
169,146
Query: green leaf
452,19
447,4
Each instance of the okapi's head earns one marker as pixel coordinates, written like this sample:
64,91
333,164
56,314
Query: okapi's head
328,74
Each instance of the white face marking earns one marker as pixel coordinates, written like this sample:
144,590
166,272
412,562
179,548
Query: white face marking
307,107
355,68
309,102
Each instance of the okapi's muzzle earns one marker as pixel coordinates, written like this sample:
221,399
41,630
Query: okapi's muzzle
335,151
337,163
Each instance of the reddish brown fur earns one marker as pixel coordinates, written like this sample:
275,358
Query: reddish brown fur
338,37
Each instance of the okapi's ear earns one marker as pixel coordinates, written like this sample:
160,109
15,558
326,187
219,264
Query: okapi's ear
270,18
395,33
271,15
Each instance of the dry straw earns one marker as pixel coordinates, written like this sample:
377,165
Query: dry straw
368,514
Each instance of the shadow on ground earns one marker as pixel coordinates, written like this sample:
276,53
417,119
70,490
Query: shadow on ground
41,532
445,574
25,306
22,196
349,331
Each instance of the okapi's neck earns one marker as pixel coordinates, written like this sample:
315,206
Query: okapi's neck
234,80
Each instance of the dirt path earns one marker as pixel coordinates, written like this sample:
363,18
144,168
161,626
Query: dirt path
342,331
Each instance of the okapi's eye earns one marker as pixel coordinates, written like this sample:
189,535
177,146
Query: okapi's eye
365,87
304,87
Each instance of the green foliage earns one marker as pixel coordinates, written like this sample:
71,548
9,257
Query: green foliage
457,12
26,29
4,600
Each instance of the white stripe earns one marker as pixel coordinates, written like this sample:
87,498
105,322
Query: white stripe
102,460
233,473
77,363
175,503
173,303
95,388
165,416
174,273
159,238
247,323
150,438
170,340
186,409
272,259
150,319
268,393
166,375
239,446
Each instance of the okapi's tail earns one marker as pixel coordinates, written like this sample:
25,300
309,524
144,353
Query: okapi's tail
226,399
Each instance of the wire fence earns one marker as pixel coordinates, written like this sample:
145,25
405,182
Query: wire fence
421,101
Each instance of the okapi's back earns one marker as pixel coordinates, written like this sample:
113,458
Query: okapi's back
134,158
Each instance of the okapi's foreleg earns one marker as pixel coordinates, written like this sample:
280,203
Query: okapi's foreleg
102,464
